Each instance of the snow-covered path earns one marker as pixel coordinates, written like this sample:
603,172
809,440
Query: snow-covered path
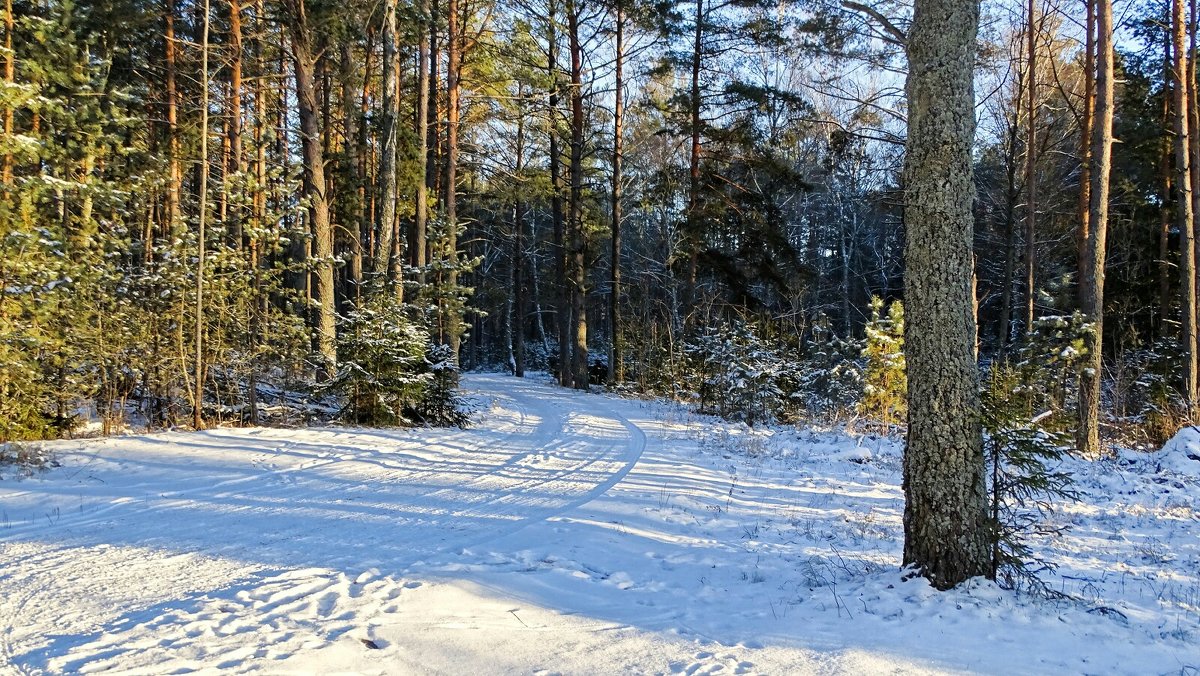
563,532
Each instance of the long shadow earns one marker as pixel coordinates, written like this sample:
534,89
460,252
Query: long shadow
432,516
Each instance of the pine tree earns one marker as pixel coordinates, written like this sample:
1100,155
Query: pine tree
945,523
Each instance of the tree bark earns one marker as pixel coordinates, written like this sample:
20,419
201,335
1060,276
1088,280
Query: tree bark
234,120
578,236
259,200
1088,439
1085,145
562,322
1184,214
175,173
198,336
305,62
381,259
693,216
10,71
615,370
1011,194
366,193
418,233
1193,346
451,319
1031,173
518,251
1164,219
946,533
351,218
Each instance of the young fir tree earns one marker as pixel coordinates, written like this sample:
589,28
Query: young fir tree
885,382
382,372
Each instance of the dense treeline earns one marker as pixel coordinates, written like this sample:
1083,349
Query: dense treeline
237,212
204,202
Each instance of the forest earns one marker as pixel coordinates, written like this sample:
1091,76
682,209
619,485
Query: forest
678,336
286,211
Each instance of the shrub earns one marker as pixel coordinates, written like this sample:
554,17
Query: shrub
382,370
737,372
885,380
1047,367
439,404
1025,476
27,458
831,377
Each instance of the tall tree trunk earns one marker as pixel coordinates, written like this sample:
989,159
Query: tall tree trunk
566,375
198,338
1085,147
1088,441
433,135
578,237
259,201
420,226
10,74
615,370
1164,218
1031,172
1184,214
305,63
518,252
234,120
946,531
1194,149
350,169
1011,194
693,237
450,313
381,258
366,193
175,173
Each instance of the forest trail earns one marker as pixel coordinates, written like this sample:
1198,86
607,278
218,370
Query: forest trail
562,532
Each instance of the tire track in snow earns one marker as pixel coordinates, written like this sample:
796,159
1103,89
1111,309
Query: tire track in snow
558,451
633,450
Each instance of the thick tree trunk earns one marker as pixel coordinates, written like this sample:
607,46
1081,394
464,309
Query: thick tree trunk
578,237
305,62
946,532
615,371
1088,440
563,301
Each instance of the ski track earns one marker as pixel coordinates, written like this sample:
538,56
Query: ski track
537,460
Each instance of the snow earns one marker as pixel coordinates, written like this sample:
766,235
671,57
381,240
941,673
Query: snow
562,533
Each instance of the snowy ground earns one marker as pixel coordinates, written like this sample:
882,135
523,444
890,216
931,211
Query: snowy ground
562,533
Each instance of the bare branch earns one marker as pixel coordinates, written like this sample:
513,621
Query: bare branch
892,34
